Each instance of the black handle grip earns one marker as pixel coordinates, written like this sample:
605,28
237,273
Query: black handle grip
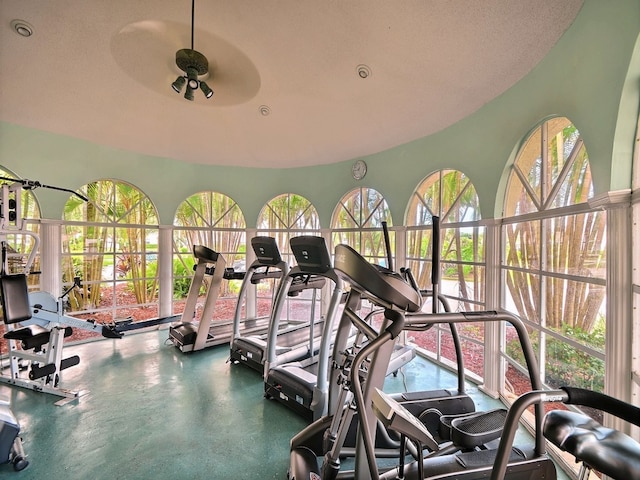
397,322
600,401
435,251
387,245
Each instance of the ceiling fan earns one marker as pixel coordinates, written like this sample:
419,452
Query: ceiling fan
193,64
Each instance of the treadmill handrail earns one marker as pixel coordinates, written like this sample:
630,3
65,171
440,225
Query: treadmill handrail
237,317
283,289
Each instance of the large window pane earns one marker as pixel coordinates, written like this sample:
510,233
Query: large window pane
554,263
357,222
450,196
283,217
111,243
575,244
213,220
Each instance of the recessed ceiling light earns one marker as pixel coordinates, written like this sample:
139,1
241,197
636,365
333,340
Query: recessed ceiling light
22,28
264,110
363,71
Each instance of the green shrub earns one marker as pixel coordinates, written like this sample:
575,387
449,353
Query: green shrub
566,364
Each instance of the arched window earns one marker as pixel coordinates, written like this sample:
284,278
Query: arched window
214,220
449,195
286,216
357,222
111,243
554,258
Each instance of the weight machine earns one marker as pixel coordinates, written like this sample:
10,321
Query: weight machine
35,323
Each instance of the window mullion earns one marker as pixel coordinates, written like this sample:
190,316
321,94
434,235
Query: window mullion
563,175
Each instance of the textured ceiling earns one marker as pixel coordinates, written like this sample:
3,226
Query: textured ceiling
101,71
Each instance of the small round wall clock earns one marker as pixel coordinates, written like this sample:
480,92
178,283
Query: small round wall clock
359,169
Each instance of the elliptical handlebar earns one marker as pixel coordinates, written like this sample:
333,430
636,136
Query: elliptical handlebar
589,398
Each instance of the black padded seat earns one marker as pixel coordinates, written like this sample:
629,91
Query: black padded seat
15,298
603,449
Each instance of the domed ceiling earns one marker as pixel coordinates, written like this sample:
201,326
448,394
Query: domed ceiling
296,82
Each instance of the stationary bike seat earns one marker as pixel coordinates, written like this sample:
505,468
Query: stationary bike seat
603,449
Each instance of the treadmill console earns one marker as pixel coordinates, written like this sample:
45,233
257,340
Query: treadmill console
266,250
311,253
395,417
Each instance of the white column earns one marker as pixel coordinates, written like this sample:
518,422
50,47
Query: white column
400,253
50,257
252,290
165,271
618,342
494,369
635,332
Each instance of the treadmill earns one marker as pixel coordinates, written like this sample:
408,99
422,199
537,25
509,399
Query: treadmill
291,340
189,335
268,265
303,385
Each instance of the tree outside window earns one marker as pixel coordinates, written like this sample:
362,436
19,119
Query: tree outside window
554,261
111,243
449,195
357,222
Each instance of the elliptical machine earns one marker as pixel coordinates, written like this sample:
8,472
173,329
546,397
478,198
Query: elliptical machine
468,456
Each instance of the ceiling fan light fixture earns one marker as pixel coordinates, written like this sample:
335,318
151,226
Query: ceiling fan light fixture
208,93
192,75
194,64
178,84
188,93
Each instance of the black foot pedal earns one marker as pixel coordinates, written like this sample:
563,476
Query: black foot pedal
39,372
69,362
476,429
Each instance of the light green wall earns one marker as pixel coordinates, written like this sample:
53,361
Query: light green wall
583,78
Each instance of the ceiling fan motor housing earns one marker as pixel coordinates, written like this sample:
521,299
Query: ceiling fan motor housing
188,58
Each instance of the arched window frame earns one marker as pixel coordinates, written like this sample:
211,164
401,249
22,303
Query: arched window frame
111,243
357,222
554,259
283,217
216,221
451,196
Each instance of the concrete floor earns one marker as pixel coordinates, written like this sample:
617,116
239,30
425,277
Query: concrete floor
152,412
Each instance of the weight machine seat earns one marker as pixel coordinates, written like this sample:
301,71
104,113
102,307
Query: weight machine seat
603,449
381,283
15,298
